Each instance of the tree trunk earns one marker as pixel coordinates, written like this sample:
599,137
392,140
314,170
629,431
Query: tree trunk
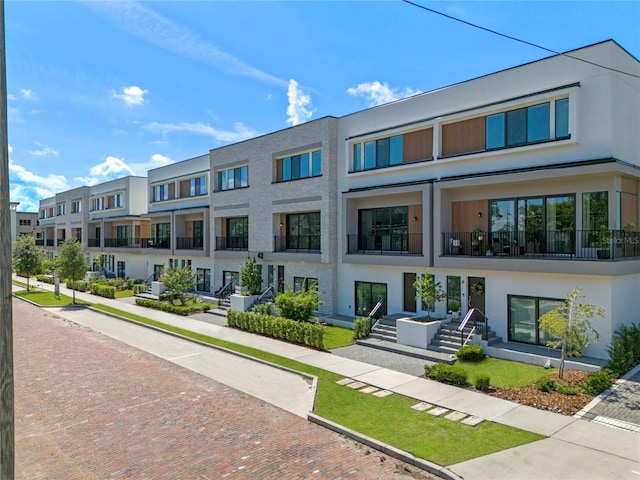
562,355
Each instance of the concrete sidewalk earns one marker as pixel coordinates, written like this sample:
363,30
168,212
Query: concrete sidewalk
575,448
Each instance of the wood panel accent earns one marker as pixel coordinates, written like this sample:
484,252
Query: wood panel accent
185,188
464,215
464,136
629,185
223,227
415,226
145,230
417,145
279,170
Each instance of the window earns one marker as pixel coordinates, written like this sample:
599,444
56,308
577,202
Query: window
454,289
383,229
395,150
97,204
160,193
562,118
203,280
524,314
161,234
237,234
61,209
122,231
233,178
116,201
368,295
25,222
305,165
302,284
303,231
518,127
121,269
198,186
76,206
595,215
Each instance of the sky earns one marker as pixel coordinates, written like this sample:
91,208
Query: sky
100,90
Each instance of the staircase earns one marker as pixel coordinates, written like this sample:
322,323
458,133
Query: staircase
448,339
385,329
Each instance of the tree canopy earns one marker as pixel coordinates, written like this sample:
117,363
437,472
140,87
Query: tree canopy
71,262
179,281
28,259
429,291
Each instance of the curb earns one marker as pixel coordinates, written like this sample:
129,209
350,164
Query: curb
393,452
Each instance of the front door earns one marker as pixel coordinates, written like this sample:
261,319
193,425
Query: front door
476,287
409,292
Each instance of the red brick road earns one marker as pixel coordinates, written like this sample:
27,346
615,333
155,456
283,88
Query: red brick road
90,407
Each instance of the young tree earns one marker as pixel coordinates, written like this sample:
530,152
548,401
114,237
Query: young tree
179,281
71,262
569,325
28,260
251,276
300,305
429,291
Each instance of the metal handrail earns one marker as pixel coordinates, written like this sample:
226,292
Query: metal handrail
226,290
263,294
471,315
375,309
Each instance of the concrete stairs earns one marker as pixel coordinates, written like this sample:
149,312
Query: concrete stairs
448,338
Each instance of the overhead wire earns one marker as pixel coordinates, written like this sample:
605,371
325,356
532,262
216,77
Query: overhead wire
509,37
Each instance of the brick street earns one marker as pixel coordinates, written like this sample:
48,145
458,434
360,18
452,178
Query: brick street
90,407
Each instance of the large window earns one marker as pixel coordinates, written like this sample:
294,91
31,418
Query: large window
303,231
198,186
383,229
233,178
203,280
391,151
305,165
368,295
76,206
161,234
237,234
524,315
160,193
302,284
595,211
518,127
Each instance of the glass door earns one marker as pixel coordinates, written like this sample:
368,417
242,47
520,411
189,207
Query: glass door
367,295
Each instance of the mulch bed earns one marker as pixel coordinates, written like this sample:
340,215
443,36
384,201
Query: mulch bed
551,401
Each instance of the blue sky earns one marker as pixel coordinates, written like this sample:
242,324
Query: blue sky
100,90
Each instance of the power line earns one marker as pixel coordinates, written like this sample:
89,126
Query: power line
515,39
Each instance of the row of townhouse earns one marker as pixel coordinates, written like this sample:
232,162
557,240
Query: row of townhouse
512,188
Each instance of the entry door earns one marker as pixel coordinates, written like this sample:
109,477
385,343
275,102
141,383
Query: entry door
409,292
476,292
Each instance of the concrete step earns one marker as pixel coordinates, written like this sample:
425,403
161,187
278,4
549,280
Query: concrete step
431,355
382,336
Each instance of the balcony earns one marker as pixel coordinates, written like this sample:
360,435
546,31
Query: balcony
297,243
93,242
40,242
239,244
391,244
189,243
49,242
574,244
155,243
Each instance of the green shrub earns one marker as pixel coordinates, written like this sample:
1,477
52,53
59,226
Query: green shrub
482,383
164,306
303,333
80,286
624,351
471,353
139,288
597,382
427,369
101,290
45,279
263,309
546,384
298,305
567,389
448,374
361,327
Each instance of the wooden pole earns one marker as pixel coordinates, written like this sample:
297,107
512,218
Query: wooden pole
7,418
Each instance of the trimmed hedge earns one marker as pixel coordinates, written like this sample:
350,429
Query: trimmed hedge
303,333
47,279
164,306
105,291
80,285
361,327
471,353
447,373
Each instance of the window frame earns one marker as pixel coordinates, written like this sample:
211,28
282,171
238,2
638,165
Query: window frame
235,175
306,164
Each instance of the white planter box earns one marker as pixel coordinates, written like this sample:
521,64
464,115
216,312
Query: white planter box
416,334
241,302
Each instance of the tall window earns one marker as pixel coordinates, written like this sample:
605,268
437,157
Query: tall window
305,165
161,234
562,118
203,280
160,193
76,206
303,231
367,296
524,314
198,234
383,228
97,204
198,186
595,216
453,292
518,127
233,178
237,233
62,209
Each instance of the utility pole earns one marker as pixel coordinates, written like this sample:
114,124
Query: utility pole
7,417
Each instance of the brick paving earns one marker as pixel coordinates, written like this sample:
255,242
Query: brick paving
90,407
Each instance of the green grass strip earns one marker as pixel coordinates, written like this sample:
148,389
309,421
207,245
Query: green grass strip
336,337
389,419
505,373
45,298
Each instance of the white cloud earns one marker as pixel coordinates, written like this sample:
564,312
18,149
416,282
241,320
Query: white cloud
157,160
377,93
10,148
27,94
142,22
44,150
131,95
241,132
111,168
298,102
53,182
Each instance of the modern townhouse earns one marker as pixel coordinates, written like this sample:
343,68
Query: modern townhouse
26,223
513,188
275,199
116,229
179,197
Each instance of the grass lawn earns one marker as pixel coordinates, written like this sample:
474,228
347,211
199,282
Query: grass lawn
124,293
336,337
505,373
47,299
388,419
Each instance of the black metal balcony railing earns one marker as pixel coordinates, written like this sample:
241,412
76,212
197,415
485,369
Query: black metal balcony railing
93,242
60,241
155,243
189,243
40,242
238,243
297,243
392,244
573,244
49,242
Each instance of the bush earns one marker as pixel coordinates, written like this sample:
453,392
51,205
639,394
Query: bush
448,374
106,291
624,351
597,382
80,286
546,384
303,333
471,353
139,288
482,383
298,305
45,279
361,327
164,306
567,389
263,309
